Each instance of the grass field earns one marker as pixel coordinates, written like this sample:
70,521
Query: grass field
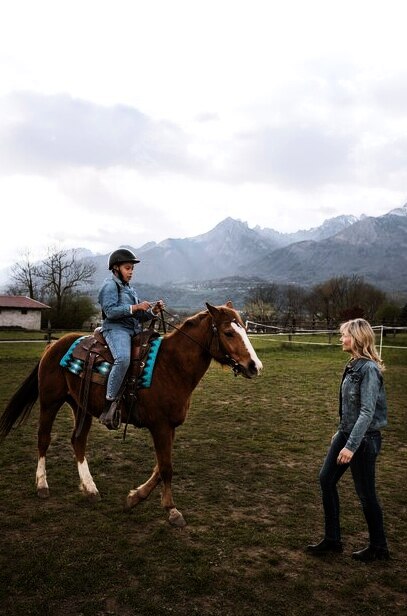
246,479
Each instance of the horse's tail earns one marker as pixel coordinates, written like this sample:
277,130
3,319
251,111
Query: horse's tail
20,405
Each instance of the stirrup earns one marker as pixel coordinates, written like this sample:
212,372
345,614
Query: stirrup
111,418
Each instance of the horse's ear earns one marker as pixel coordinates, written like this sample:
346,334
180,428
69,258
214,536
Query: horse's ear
212,309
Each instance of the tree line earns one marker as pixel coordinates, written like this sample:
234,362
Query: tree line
62,280
324,305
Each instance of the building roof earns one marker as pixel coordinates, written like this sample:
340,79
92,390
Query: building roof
19,301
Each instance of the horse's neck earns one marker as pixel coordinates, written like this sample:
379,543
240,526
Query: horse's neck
190,351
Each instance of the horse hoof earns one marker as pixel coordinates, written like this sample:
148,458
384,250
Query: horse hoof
133,499
43,492
93,497
176,518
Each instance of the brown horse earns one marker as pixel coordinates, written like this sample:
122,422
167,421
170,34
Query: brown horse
184,356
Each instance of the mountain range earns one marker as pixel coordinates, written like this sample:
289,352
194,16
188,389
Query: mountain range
230,259
372,247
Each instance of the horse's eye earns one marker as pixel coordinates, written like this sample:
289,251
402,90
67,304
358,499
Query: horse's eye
229,334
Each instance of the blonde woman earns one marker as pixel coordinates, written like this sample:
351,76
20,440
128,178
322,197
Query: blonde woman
356,444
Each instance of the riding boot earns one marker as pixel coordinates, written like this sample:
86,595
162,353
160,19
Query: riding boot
111,417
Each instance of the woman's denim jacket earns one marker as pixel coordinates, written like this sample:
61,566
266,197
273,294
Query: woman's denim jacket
116,299
362,401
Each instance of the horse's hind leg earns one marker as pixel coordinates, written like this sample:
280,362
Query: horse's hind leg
87,485
47,417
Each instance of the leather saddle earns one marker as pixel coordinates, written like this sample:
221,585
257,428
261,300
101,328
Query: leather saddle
93,350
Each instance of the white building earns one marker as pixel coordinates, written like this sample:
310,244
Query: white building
20,311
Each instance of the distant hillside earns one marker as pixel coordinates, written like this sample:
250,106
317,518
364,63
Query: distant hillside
375,248
228,261
227,250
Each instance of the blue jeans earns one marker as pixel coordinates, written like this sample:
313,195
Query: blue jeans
119,341
362,466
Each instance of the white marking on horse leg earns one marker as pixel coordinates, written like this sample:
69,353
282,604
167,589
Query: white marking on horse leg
41,478
176,518
87,484
242,332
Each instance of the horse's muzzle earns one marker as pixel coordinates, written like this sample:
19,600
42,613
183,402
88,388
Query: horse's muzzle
252,369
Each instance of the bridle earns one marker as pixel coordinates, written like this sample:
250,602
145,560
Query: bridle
228,360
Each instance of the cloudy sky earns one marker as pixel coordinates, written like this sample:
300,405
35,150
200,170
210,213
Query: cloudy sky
130,121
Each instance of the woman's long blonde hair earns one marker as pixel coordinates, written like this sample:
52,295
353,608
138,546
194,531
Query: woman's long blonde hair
362,340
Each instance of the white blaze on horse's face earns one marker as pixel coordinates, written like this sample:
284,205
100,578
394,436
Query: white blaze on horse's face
254,366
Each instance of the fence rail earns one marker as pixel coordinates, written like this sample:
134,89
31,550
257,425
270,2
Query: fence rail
263,329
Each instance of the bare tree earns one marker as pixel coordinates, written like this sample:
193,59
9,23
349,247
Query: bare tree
62,273
321,300
295,298
345,297
261,303
24,277
282,303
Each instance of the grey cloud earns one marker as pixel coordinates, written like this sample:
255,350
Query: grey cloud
391,94
207,117
45,132
387,164
293,156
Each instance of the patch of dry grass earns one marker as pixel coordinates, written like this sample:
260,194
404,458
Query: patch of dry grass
246,478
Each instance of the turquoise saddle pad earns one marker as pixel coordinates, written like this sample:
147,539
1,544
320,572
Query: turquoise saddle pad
103,368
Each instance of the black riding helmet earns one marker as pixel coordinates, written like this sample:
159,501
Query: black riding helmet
122,255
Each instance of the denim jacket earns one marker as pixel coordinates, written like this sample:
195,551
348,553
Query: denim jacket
116,299
362,401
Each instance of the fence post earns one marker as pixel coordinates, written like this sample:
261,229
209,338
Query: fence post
49,332
381,341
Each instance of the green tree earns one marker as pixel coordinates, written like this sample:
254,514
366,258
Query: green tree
76,309
388,313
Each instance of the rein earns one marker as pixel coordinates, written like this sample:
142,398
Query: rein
229,360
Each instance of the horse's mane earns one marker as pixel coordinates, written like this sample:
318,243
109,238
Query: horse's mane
189,322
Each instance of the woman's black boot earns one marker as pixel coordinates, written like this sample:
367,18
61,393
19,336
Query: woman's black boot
325,546
371,553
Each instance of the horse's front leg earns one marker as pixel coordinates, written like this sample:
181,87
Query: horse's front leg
163,440
87,485
143,491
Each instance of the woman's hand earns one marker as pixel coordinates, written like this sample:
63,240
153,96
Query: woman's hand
345,456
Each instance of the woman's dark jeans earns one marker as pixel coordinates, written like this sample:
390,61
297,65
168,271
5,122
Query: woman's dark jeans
362,467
